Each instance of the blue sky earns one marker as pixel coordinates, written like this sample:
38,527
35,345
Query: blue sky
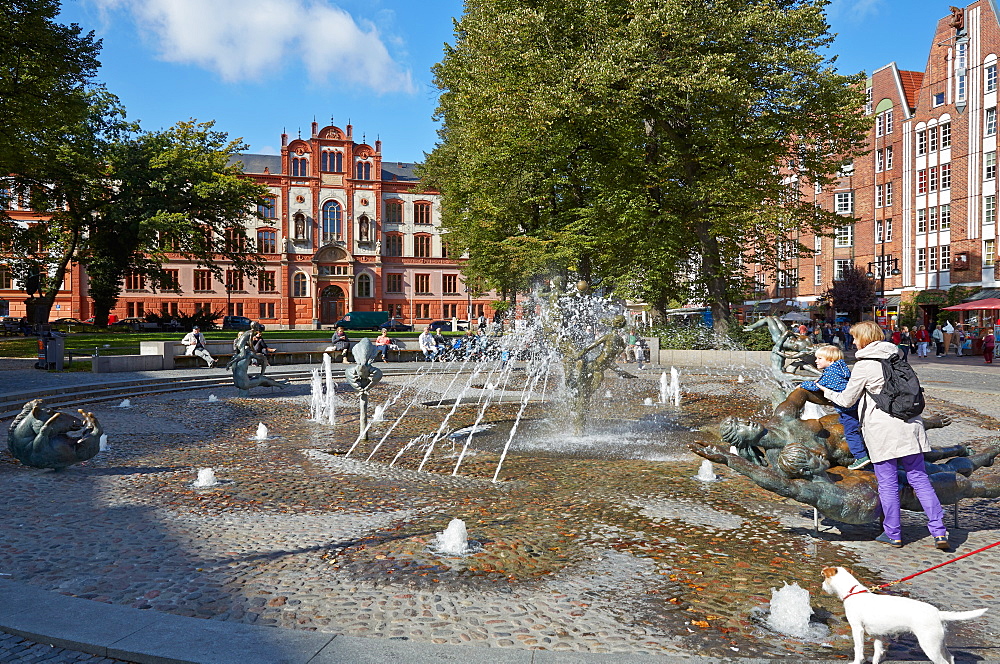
258,66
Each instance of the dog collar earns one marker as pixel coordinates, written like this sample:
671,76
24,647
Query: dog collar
854,591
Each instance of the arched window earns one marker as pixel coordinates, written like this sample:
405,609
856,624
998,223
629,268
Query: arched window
300,287
364,287
332,218
393,211
300,167
364,171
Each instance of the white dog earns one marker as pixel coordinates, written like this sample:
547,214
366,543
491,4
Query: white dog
887,615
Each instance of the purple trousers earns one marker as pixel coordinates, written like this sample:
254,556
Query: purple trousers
888,493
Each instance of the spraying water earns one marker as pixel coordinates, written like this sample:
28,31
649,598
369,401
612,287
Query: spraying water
206,478
454,540
104,443
125,404
212,398
705,472
790,611
261,433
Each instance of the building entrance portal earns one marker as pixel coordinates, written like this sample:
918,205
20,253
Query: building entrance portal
332,305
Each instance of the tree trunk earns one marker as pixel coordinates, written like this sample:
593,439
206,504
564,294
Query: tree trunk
711,269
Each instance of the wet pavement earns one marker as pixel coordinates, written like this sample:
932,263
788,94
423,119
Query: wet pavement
603,544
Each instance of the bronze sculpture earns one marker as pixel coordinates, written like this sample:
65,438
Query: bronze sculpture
362,377
790,354
243,355
40,437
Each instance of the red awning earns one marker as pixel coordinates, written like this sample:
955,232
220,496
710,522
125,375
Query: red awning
975,305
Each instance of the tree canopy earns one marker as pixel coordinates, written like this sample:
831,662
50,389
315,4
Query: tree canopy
44,69
648,145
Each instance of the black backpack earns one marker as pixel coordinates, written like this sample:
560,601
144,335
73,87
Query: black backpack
901,395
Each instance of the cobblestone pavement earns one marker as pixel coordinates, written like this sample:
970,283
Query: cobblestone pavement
608,545
15,650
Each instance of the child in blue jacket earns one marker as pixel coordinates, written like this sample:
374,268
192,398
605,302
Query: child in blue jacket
835,376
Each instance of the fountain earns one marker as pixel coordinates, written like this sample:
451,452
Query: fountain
206,478
104,443
670,391
126,403
213,399
261,433
790,611
454,541
705,472
323,397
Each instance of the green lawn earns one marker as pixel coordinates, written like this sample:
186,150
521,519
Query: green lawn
126,343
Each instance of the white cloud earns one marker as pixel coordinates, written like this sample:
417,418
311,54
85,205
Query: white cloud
854,10
248,39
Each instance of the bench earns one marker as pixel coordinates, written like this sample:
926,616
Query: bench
288,351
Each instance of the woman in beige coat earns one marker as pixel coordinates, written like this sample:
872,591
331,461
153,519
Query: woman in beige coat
891,442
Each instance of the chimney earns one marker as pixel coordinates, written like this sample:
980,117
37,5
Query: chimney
284,139
378,146
315,128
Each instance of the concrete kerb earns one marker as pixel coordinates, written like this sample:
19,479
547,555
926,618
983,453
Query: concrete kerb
148,636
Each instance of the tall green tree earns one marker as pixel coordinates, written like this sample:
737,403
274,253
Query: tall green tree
44,69
649,144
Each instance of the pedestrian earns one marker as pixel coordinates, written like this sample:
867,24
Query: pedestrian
382,344
194,342
640,349
836,374
989,341
923,338
959,337
427,344
891,442
341,344
938,337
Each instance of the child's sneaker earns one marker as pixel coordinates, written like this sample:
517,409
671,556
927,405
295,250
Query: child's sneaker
860,463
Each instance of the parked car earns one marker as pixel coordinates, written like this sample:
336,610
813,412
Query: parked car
445,325
394,325
137,325
236,323
68,321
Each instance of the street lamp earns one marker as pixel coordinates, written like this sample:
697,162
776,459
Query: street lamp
883,264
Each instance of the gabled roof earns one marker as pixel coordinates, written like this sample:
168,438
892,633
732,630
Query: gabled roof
911,81
256,163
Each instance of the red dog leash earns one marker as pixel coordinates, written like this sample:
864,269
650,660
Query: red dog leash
947,562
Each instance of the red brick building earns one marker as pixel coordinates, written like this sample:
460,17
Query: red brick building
346,231
920,208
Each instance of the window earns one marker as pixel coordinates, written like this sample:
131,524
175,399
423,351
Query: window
266,310
167,242
422,213
300,167
450,311
990,211
888,158
932,259
788,278
844,236
332,161
393,212
818,244
170,280
364,286
945,217
990,165
844,202
135,281
393,283
234,281
922,181
422,283
202,280
234,309
989,253
932,139
300,285
879,195
883,123
334,270
235,240
921,142
883,227
938,99
991,121
423,310
961,62
332,218
921,260
991,78
879,161
6,278
445,251
945,257
363,170
267,242
817,275
868,101
422,246
945,176
945,135
449,284
932,178
267,210
393,245
888,230
266,281
932,219
840,266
